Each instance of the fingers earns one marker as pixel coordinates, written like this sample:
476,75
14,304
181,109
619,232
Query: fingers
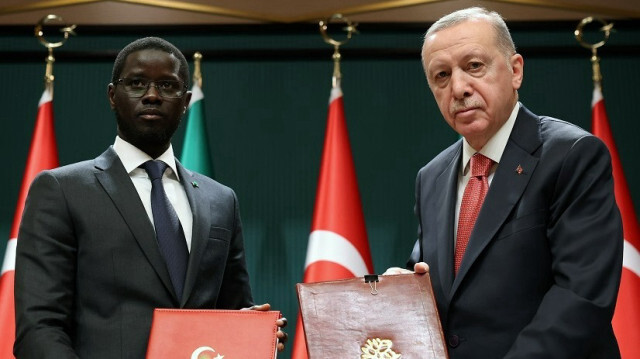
421,267
396,270
282,322
282,336
259,307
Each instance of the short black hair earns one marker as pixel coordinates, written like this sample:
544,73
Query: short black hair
147,43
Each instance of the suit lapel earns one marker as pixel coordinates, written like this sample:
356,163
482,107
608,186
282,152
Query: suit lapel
446,192
200,210
116,182
506,188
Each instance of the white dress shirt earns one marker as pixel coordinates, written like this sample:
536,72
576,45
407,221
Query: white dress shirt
132,158
493,149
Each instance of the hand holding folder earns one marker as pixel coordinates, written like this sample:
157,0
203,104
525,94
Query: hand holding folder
392,316
198,334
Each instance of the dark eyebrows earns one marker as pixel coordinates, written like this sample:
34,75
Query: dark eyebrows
476,54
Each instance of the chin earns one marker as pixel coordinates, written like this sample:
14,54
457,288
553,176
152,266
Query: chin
155,137
472,132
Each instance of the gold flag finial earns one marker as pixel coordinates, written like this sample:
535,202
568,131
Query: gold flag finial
350,29
39,33
606,28
197,70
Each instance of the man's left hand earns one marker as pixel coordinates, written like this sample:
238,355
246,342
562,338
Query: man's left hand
281,323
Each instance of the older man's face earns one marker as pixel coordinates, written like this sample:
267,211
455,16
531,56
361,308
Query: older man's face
473,82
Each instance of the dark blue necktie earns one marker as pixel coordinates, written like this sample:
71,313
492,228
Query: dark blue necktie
169,234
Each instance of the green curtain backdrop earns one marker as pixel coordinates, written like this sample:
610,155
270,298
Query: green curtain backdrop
266,94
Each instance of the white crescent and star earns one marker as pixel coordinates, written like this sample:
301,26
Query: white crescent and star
196,353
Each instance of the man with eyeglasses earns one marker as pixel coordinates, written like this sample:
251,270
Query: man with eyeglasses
91,261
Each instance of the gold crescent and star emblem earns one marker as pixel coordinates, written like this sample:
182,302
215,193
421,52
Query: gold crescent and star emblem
379,349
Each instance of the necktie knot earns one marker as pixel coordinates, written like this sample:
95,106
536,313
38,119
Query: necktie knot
155,169
480,165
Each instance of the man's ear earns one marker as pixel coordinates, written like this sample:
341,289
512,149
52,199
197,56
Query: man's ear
187,99
111,94
517,68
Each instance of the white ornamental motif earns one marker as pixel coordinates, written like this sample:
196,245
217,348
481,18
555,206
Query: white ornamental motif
379,349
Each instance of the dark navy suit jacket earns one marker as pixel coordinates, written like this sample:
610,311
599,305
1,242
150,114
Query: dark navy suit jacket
541,272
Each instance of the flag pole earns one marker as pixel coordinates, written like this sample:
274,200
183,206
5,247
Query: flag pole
196,154
43,155
626,318
338,247
197,72
595,59
39,33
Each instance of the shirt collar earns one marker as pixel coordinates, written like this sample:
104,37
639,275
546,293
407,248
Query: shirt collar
496,144
132,157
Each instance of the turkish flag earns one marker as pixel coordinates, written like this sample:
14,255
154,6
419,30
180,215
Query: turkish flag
43,154
338,246
626,319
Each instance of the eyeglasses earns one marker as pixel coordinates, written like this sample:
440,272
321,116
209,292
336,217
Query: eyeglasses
137,87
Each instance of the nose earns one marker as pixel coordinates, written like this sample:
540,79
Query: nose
460,84
152,94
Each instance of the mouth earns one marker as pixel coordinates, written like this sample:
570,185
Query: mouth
150,114
462,111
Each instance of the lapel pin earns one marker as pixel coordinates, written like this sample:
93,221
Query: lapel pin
194,184
519,170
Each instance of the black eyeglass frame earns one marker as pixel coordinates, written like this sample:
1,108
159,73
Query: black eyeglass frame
160,91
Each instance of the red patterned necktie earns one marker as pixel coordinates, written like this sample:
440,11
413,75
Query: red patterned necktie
472,200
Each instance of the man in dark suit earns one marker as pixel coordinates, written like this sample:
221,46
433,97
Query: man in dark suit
89,269
540,272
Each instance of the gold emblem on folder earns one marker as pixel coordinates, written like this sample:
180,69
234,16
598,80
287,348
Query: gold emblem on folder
379,349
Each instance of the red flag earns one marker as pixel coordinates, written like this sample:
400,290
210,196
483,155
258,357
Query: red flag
626,319
338,246
43,154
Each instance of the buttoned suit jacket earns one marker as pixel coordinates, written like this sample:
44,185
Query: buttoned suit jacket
88,269
540,275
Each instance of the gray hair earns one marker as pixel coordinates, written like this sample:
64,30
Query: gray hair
503,37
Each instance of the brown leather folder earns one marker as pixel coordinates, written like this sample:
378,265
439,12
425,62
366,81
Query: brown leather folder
393,317
200,334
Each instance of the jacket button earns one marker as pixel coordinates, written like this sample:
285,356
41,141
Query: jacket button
453,340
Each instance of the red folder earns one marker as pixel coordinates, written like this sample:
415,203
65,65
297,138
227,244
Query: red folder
210,334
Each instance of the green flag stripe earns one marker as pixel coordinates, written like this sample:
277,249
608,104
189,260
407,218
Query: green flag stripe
196,155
